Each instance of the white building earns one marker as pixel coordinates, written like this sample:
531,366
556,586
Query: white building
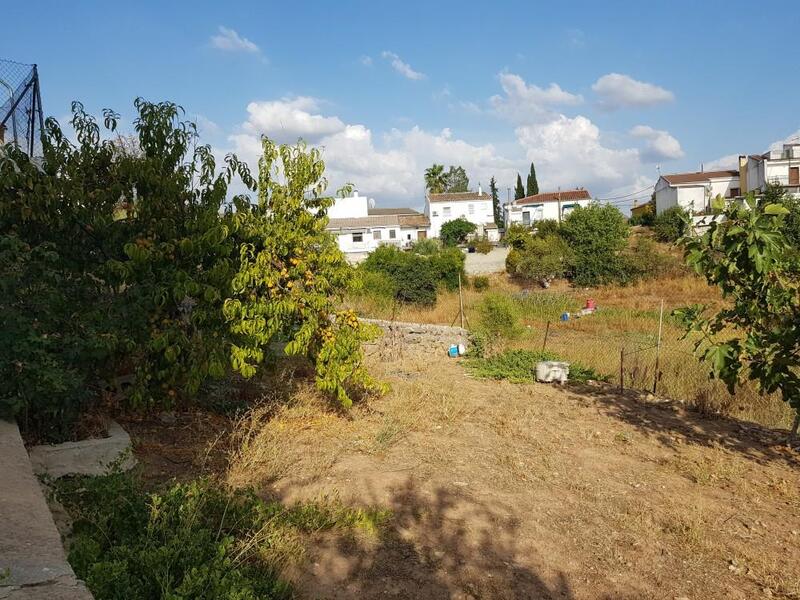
776,166
545,206
475,207
360,227
694,191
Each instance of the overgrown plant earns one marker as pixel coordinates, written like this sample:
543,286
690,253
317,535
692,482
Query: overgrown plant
456,231
131,261
757,337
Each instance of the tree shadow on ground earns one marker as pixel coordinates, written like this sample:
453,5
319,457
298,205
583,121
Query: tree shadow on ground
673,424
439,544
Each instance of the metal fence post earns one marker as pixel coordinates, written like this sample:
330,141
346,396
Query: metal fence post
658,346
546,333
622,369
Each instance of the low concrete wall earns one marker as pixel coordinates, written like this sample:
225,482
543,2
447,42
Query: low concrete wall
30,546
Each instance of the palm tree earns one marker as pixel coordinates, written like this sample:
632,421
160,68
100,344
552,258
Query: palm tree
435,179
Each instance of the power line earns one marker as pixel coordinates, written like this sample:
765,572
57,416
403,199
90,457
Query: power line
649,187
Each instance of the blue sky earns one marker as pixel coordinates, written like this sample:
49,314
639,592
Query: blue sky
597,94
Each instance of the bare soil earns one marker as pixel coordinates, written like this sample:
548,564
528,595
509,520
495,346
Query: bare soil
503,490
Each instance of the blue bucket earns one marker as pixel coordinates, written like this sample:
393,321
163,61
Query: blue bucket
453,351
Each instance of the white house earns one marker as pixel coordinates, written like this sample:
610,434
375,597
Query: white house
475,207
694,191
776,166
544,206
360,227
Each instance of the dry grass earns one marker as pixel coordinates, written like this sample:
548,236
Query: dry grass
627,319
605,493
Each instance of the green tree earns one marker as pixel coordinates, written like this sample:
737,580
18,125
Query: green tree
596,234
161,278
519,191
435,179
671,224
757,335
497,209
456,231
456,180
532,187
543,259
775,193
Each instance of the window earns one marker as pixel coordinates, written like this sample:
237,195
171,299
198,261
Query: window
471,209
408,237
526,218
435,214
376,235
735,192
446,211
358,237
392,234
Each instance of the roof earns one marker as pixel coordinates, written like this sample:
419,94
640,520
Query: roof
699,177
409,220
375,212
563,196
459,196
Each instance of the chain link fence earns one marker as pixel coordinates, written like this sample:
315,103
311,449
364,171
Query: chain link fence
21,118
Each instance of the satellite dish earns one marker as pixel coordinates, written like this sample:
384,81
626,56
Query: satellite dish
371,202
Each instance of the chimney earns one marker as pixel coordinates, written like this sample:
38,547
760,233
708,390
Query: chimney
355,193
480,190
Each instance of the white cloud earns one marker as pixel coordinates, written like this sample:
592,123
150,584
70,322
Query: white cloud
524,102
617,91
287,119
660,144
230,41
366,60
402,67
206,126
568,152
389,168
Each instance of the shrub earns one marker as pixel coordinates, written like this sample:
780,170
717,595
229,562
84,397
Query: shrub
447,265
543,259
426,246
414,277
645,260
483,245
456,231
499,317
519,366
596,234
480,283
194,540
671,224
547,228
165,280
647,215
517,236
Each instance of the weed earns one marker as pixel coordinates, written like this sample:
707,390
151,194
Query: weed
518,366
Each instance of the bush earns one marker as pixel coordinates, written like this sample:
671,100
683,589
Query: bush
646,217
426,246
499,317
519,366
483,245
194,540
543,259
456,231
480,283
134,263
596,234
517,236
645,260
671,224
547,228
416,277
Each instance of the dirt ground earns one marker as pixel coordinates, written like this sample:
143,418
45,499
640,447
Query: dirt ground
503,490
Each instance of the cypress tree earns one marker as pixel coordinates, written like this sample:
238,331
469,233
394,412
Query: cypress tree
533,185
498,211
519,191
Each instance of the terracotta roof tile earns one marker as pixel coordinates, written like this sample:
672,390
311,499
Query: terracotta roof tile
700,177
459,197
565,195
375,212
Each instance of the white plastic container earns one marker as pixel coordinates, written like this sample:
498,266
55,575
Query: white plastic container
462,349
548,371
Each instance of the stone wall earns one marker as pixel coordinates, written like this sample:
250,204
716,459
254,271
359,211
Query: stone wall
434,337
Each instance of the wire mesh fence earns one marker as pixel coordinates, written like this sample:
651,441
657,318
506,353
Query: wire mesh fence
21,118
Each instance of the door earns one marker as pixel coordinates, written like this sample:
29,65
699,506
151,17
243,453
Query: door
422,234
794,175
